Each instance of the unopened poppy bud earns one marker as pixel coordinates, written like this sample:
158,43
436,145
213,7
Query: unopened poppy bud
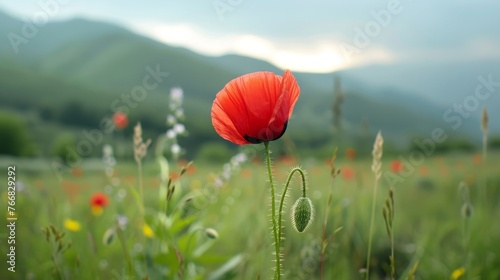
302,213
109,236
467,210
211,233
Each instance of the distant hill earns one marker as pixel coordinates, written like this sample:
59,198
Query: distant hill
94,63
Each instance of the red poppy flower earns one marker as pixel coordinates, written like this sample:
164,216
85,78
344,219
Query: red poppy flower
348,173
77,172
476,158
99,199
423,170
396,166
350,153
120,120
174,176
287,160
255,107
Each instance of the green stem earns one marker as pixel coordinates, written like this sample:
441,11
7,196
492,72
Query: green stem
393,261
370,237
123,244
141,191
282,201
277,274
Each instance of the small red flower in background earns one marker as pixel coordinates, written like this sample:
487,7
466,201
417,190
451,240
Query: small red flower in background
120,120
183,163
174,176
347,173
396,166
476,159
423,171
247,173
350,153
255,107
444,170
191,170
287,160
77,172
71,188
98,201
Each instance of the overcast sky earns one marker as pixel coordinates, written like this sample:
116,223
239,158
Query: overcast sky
315,36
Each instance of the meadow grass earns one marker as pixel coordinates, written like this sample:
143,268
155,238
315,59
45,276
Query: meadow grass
428,227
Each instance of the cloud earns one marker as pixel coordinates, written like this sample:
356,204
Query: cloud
306,56
304,36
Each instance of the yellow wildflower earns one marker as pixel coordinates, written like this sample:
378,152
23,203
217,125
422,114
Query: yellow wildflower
147,231
457,273
72,225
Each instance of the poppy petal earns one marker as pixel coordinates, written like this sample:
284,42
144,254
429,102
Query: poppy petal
283,109
255,107
224,126
247,102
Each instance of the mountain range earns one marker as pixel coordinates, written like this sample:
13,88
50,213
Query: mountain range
95,63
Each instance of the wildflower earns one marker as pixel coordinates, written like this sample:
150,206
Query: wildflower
122,221
396,166
457,273
350,153
348,173
423,171
288,160
147,231
175,149
77,172
174,176
444,170
179,113
476,159
72,225
171,134
176,94
255,107
171,120
120,120
97,203
179,128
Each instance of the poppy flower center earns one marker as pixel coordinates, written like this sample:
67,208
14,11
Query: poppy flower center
256,140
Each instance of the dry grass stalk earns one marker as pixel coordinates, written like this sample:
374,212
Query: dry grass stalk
484,128
377,171
140,150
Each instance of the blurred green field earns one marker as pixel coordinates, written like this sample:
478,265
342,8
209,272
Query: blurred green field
431,231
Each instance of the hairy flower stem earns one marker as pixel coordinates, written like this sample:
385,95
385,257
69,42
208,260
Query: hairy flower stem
282,201
277,274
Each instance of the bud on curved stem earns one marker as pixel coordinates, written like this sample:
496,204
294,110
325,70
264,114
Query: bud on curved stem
302,213
302,208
